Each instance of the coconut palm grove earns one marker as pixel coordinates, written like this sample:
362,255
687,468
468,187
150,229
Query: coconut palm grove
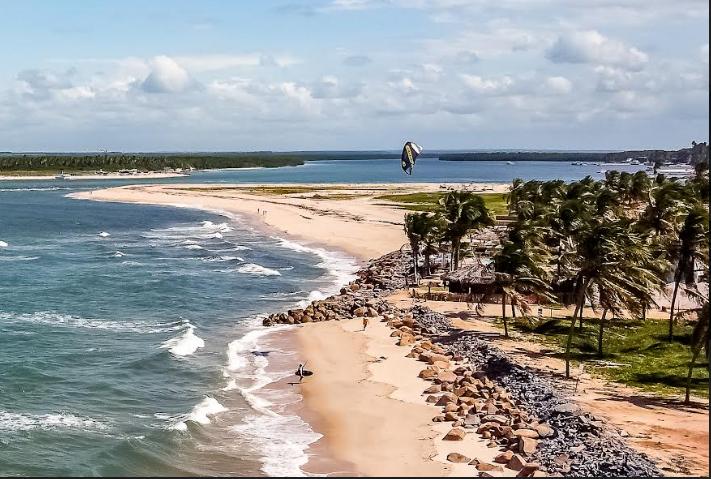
605,252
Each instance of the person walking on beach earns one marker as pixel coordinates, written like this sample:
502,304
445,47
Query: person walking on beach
301,371
365,322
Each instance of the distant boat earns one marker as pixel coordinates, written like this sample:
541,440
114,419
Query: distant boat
602,171
510,163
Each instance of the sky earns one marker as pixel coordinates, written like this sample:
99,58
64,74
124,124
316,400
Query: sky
352,74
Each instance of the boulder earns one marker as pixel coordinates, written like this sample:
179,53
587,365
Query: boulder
451,416
406,339
432,357
457,458
498,419
446,377
440,364
435,388
516,463
528,469
527,445
504,457
450,407
544,430
432,399
455,434
472,420
428,374
526,433
484,466
446,398
359,312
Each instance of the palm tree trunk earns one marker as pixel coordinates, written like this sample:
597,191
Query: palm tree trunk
427,263
415,251
513,310
644,312
694,355
599,335
578,309
677,280
503,309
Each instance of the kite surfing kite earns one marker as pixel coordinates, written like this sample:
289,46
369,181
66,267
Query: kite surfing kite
410,152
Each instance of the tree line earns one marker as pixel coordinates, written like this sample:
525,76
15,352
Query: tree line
143,162
613,243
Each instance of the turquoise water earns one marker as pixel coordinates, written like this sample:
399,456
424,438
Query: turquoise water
426,170
129,337
122,337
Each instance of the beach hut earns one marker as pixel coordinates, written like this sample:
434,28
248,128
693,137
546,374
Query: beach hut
475,279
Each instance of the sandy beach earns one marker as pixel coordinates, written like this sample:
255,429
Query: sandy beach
347,217
366,399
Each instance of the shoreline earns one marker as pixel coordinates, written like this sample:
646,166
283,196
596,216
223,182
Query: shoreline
360,225
79,177
337,403
341,450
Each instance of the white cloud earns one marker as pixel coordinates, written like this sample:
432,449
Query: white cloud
558,85
166,76
330,86
704,53
593,47
490,86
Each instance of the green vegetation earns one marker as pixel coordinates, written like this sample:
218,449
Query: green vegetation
495,202
613,244
109,162
637,353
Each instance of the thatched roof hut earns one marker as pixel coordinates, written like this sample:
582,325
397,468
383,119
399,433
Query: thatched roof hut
475,279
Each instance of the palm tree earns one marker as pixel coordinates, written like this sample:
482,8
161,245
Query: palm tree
463,211
416,230
613,258
664,207
699,340
690,249
640,187
522,270
434,229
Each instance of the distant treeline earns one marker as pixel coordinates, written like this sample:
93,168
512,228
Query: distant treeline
523,156
143,162
699,152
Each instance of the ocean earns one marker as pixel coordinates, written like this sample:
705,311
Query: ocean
130,337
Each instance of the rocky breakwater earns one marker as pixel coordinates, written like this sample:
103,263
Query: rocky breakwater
470,401
480,390
357,299
526,414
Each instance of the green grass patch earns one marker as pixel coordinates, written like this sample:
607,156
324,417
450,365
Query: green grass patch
496,202
645,356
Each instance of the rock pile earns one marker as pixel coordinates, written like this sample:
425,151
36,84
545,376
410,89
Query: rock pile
471,402
358,298
479,389
579,444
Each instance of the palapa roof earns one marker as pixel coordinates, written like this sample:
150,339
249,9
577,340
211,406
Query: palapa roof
474,274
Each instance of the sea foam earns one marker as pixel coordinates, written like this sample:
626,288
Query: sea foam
200,413
3,244
184,344
10,421
281,439
258,270
52,319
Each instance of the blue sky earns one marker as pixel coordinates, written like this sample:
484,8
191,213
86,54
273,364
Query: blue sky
352,74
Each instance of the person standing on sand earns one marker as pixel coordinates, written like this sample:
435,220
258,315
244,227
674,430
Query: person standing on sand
365,322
